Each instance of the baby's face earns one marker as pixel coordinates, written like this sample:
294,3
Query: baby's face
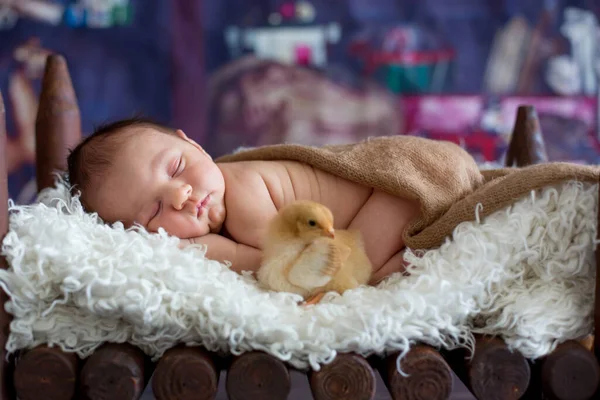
162,181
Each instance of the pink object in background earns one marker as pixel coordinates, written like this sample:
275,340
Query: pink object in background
303,54
484,129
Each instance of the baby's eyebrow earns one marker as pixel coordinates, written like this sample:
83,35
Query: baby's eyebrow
142,215
158,159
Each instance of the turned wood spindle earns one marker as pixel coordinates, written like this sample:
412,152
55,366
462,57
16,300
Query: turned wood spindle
494,373
58,122
46,373
5,318
429,376
113,372
185,373
527,144
570,372
257,375
348,376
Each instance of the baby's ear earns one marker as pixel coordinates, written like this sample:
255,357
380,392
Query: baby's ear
182,135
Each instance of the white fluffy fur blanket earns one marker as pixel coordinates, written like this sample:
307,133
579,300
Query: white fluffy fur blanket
525,273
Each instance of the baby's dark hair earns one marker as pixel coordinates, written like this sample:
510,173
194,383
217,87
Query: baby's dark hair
95,154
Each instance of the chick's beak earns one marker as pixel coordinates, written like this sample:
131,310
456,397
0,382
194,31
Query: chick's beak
329,232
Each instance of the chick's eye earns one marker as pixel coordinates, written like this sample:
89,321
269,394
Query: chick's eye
312,222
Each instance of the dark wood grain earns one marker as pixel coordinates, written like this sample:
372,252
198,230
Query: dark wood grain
494,372
257,376
185,373
58,123
429,376
527,143
570,372
113,372
46,373
348,377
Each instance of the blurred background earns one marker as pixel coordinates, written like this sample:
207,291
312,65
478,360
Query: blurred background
234,73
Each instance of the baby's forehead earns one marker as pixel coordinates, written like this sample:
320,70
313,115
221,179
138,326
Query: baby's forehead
147,132
143,140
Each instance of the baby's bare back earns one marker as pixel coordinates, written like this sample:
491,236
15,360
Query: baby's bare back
256,190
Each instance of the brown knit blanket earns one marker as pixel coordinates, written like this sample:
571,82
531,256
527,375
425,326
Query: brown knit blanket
440,175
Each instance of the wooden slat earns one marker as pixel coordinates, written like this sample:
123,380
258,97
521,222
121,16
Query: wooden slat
494,372
46,373
429,376
527,143
569,372
348,376
257,375
58,123
114,372
185,373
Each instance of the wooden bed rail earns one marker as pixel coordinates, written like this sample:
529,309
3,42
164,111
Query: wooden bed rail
121,371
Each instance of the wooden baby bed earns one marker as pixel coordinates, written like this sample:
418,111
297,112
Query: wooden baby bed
121,371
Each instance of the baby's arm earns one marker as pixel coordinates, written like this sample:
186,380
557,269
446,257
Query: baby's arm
220,248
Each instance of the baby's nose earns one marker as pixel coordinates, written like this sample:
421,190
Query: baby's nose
181,195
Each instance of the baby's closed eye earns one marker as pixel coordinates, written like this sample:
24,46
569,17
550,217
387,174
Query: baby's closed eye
176,167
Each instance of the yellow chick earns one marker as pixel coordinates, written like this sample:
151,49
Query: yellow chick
303,254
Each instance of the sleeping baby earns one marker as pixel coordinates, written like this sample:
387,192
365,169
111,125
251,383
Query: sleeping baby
138,172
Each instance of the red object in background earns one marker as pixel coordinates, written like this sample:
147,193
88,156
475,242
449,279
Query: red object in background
482,145
287,10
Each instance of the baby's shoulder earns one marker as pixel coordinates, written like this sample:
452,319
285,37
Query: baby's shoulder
247,199
253,172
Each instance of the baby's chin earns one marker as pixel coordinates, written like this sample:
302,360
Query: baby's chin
216,217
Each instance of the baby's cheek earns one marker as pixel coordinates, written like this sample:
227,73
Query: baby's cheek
175,226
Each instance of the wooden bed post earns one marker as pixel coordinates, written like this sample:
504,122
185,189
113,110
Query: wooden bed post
58,123
527,143
5,318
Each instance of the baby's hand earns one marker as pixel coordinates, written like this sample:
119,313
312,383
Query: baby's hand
222,249
186,242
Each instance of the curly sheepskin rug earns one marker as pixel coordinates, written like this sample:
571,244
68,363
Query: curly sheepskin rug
525,273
